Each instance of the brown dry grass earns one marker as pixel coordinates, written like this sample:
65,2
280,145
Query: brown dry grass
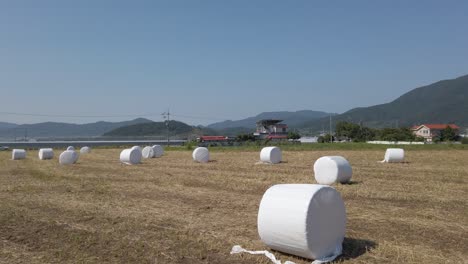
172,210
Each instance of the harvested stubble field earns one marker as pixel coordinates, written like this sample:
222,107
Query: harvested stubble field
172,210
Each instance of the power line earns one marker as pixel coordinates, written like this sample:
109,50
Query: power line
87,116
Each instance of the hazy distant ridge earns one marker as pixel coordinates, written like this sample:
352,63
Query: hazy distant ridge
293,119
55,129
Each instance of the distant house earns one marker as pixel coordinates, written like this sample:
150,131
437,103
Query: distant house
429,131
271,129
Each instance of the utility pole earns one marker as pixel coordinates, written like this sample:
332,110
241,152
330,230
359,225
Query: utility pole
167,118
331,137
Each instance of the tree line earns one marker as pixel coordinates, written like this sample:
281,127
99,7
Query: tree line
358,133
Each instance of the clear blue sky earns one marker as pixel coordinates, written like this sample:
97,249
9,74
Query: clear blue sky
217,60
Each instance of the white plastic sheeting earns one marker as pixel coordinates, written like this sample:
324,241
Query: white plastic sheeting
131,156
17,154
238,249
147,152
271,155
331,169
201,154
85,150
394,155
158,151
46,153
306,220
71,148
68,157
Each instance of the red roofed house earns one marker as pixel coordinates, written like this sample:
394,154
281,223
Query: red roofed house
429,131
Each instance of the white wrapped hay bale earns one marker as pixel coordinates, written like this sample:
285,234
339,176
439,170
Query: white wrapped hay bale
306,220
85,150
46,153
18,154
271,155
394,155
68,157
331,169
137,147
130,156
71,148
147,152
201,154
158,151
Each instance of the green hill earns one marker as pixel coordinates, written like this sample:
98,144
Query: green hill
176,129
441,102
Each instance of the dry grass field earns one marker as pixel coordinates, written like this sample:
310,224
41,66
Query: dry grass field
172,210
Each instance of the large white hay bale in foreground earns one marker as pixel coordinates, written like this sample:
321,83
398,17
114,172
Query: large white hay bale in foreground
130,156
18,154
201,154
68,157
71,148
330,169
85,150
158,151
147,152
306,220
271,155
394,155
46,153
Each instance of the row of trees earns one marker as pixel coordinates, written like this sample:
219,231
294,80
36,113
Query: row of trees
360,133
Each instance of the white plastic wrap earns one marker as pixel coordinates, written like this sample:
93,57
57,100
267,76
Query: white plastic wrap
201,154
271,155
68,157
71,148
46,153
147,152
306,220
85,150
17,154
131,156
394,155
158,151
137,147
331,169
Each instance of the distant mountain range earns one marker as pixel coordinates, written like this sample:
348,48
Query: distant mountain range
293,119
441,102
53,129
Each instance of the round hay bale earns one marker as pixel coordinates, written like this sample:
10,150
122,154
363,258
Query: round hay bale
46,153
147,152
85,150
271,155
71,148
158,151
331,169
130,156
394,155
306,220
68,157
201,154
137,147
18,154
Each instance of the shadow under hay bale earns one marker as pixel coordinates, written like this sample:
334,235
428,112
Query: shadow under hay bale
353,248
352,183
